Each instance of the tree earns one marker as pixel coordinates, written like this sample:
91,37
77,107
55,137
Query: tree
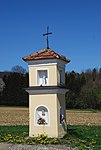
90,98
18,69
84,89
2,84
94,74
100,73
14,93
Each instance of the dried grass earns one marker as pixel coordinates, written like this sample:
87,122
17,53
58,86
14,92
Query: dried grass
83,118
19,116
13,116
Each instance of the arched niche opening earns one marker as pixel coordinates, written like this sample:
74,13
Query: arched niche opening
42,115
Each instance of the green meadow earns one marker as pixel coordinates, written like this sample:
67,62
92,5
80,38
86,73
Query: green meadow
83,137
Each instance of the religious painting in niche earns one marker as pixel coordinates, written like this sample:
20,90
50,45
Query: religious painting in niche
61,115
42,77
42,116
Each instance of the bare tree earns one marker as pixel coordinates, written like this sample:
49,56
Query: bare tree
2,84
18,69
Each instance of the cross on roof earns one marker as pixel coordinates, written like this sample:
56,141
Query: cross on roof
46,34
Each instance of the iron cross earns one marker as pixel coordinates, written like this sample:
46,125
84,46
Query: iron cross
46,34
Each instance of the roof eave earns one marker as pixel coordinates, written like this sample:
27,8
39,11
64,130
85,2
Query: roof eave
26,60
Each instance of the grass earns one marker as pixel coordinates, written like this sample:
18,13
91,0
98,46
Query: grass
83,137
14,130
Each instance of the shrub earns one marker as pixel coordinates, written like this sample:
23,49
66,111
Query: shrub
40,139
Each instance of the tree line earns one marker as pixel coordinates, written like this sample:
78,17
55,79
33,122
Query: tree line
84,88
15,82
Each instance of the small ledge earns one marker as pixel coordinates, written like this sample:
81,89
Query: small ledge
46,90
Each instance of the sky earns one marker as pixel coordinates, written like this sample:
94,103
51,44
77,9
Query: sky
75,27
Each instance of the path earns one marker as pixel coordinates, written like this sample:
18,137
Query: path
5,146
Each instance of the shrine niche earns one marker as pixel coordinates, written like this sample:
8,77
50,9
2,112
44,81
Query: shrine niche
42,116
61,115
42,77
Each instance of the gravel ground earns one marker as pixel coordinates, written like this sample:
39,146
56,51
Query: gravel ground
5,146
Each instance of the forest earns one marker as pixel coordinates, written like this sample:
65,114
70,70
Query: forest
13,87
84,88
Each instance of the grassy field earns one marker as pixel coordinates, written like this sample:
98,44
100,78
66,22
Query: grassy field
83,137
19,116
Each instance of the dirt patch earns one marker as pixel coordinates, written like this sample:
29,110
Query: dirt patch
5,146
13,116
13,108
20,116
83,118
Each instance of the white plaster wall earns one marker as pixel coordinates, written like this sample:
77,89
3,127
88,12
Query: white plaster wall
61,103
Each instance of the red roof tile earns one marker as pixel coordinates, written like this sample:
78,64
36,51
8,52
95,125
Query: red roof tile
45,54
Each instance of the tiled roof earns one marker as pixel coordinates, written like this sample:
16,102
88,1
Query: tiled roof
45,54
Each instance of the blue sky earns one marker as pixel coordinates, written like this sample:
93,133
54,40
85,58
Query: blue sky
75,24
